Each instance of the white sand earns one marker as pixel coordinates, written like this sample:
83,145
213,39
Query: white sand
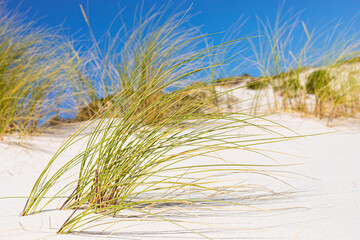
323,205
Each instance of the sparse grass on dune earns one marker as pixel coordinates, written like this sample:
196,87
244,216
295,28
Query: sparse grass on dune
153,132
150,122
35,74
141,151
320,82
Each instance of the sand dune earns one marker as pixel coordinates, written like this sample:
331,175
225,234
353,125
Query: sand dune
320,200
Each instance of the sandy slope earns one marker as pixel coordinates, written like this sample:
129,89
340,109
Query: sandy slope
321,203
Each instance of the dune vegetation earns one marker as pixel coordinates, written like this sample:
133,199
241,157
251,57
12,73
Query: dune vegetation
36,73
316,73
140,151
150,106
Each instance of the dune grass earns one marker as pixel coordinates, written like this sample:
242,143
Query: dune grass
150,51
149,122
144,146
35,74
311,73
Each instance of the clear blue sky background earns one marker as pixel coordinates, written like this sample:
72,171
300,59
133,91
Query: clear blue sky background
211,15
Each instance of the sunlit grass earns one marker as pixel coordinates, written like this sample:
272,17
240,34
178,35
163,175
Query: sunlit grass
150,120
35,74
312,73
146,145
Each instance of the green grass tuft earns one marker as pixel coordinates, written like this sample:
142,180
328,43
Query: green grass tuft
318,81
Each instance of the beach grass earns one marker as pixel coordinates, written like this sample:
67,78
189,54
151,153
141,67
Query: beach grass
148,134
148,120
313,73
35,74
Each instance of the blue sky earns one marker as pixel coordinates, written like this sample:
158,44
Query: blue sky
211,16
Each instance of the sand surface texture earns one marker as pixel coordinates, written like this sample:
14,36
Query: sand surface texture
320,198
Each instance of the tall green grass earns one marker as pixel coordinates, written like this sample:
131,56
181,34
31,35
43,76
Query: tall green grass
145,149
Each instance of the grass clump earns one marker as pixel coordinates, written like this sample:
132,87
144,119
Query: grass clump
143,151
257,84
35,72
318,81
